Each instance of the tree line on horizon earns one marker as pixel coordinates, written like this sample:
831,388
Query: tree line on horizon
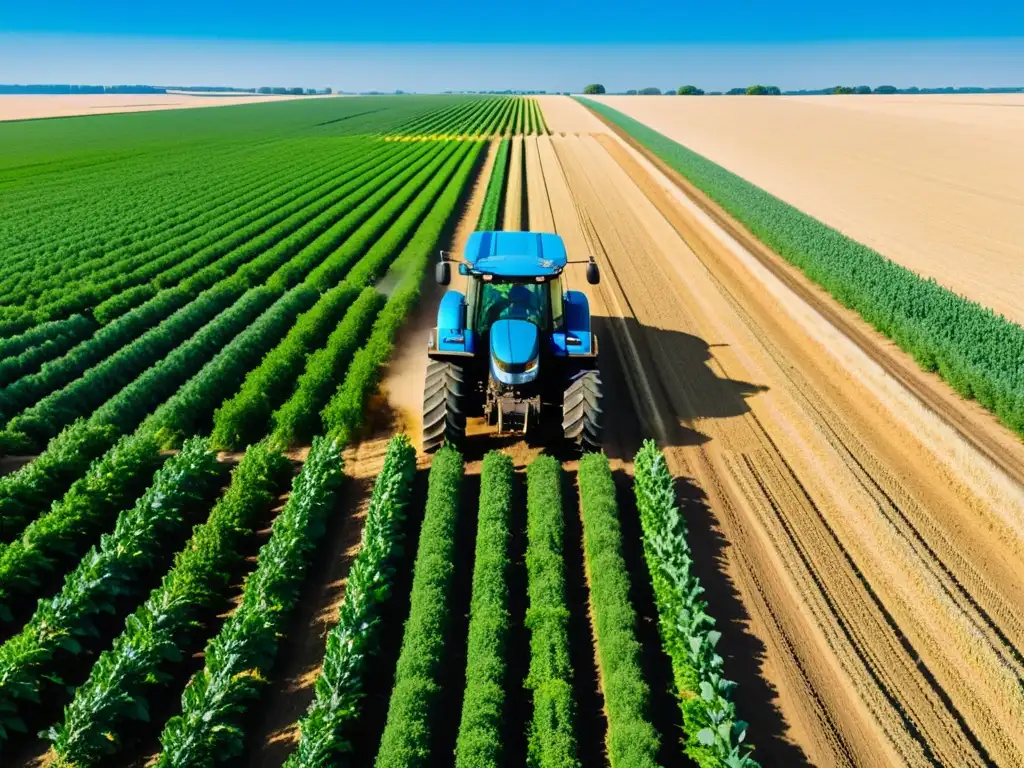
772,90
65,89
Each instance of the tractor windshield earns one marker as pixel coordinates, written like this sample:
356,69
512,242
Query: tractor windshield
500,301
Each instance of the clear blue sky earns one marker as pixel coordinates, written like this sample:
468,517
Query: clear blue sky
551,45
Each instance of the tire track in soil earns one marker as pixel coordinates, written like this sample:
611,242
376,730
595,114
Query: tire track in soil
928,705
514,218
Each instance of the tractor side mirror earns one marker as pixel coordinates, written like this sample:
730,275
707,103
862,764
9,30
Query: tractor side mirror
593,273
443,273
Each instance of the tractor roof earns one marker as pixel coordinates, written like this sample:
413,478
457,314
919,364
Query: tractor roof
516,254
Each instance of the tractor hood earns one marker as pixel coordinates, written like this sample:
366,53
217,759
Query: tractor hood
515,351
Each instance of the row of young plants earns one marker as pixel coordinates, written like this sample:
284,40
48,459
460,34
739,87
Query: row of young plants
344,412
220,253
52,278
552,739
160,634
108,577
60,336
248,414
219,357
129,327
267,219
71,524
327,726
715,736
975,350
219,296
480,739
75,326
490,214
412,710
209,729
632,741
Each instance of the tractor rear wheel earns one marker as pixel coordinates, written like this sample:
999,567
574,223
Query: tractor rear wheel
581,411
444,416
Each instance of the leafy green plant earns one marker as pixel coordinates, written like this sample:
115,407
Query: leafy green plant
160,633
632,740
209,728
479,742
715,737
406,741
61,535
351,644
552,742
104,578
490,214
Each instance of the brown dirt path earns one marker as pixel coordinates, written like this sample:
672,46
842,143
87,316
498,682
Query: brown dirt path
514,218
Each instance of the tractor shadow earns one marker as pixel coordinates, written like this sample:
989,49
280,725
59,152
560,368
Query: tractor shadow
658,383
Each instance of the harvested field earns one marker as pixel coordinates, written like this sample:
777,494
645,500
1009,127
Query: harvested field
34,107
935,183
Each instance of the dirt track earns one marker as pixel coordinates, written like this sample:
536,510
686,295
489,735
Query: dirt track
870,591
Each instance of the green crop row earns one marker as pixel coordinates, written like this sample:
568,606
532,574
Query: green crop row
479,743
632,741
975,350
76,326
552,742
209,729
172,242
73,331
158,636
714,734
244,418
299,418
65,531
406,741
105,578
27,492
352,643
490,214
344,413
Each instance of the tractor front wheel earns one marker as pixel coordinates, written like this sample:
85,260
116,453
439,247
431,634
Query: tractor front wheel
581,411
444,417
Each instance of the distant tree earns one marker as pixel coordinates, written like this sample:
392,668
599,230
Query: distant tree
264,89
714,93
886,89
631,92
311,91
862,89
736,91
763,90
650,92
842,90
594,88
328,91
689,90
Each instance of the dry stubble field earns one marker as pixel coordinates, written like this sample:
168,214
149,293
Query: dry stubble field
935,183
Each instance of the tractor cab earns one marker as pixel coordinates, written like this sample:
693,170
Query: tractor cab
514,343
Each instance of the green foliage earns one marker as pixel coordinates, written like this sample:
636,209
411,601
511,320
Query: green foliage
490,214
594,88
975,350
689,90
649,92
246,416
209,729
762,90
105,578
714,734
65,531
479,742
26,493
632,740
23,354
158,636
552,743
412,710
299,418
344,413
352,643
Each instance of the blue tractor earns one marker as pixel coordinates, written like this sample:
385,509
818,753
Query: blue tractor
516,349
